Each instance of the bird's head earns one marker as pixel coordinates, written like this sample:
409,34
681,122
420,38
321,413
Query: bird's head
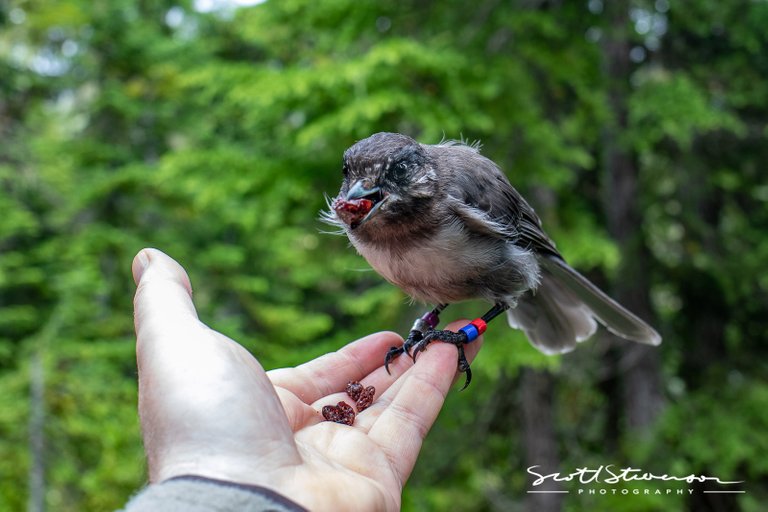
388,179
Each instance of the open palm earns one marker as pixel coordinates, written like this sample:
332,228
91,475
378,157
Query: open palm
208,408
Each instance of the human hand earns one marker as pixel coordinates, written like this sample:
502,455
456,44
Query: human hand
208,408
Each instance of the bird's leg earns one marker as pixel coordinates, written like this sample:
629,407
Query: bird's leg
466,334
426,323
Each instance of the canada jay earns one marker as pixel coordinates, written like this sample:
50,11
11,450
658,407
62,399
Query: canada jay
443,223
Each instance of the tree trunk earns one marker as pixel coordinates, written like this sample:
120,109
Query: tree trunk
539,438
639,365
36,499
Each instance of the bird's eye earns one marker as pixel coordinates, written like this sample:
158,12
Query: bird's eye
401,169
345,170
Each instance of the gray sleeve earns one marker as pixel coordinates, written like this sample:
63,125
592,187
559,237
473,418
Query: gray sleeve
198,494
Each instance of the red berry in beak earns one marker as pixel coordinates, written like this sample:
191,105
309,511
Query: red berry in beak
352,210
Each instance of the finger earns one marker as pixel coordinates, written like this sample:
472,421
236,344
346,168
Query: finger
404,414
383,381
389,392
330,373
197,387
302,414
379,379
298,413
163,292
170,340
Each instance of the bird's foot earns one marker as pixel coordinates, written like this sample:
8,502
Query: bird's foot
426,323
414,337
454,338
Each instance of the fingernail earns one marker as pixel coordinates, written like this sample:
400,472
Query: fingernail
140,264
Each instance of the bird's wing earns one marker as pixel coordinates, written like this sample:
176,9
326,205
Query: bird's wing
482,196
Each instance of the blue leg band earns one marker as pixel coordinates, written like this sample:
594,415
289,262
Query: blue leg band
471,332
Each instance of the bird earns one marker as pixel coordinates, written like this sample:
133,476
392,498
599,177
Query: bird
443,223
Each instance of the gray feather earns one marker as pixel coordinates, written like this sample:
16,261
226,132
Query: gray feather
607,311
553,317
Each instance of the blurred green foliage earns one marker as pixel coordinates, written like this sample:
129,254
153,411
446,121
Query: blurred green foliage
216,135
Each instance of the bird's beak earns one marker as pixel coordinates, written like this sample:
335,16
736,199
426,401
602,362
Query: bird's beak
358,191
359,204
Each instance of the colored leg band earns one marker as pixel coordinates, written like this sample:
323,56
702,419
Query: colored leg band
471,332
474,329
431,319
480,324
420,326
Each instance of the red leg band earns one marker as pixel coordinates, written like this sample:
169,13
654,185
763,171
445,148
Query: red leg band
480,324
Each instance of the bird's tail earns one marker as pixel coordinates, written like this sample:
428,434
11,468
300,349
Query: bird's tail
563,310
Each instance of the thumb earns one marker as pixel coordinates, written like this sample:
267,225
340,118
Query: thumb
163,291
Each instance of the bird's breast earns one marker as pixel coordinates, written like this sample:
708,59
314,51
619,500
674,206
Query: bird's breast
449,266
